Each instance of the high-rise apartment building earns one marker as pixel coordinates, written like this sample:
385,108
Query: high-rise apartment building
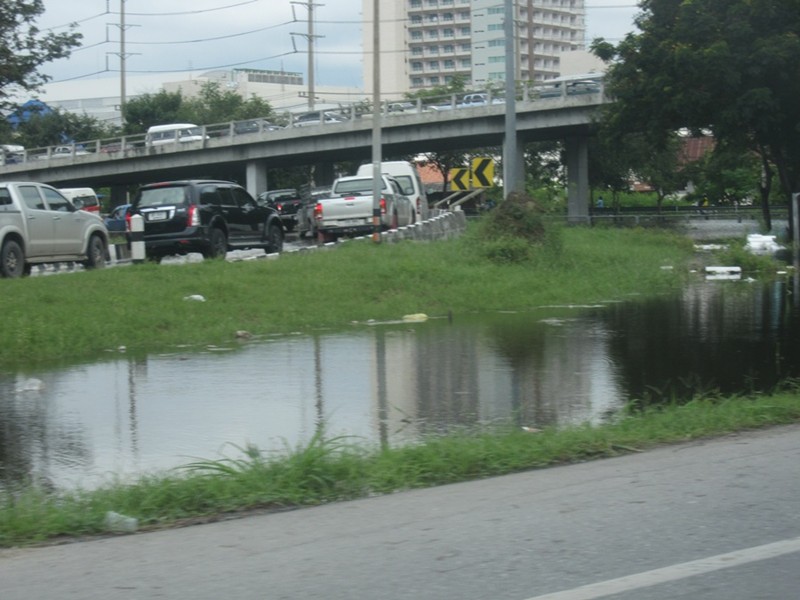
425,43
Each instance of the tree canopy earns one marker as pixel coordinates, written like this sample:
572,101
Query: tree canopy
24,48
728,66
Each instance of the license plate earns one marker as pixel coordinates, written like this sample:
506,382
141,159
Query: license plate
157,216
351,223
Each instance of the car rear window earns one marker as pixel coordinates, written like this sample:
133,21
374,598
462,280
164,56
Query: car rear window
162,196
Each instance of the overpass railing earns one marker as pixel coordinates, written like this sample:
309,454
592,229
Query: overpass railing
544,94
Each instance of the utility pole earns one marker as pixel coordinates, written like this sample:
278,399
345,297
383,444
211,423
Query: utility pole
377,178
310,37
512,163
123,55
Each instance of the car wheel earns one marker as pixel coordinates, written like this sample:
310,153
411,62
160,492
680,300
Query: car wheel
12,260
274,238
219,244
96,254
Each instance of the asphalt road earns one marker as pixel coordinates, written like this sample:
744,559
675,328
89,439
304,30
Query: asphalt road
705,520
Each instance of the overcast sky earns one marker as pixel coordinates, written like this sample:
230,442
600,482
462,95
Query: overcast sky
200,35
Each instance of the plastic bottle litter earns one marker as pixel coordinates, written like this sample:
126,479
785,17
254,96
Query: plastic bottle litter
118,523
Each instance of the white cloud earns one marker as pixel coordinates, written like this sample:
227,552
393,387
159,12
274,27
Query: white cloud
198,35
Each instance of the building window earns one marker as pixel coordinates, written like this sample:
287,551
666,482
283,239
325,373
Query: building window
465,31
449,49
416,19
416,66
449,65
433,65
448,33
433,80
416,35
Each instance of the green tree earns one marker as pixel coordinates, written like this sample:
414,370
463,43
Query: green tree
151,109
60,127
24,48
215,105
730,66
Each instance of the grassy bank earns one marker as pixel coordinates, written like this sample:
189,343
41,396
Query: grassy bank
340,469
80,316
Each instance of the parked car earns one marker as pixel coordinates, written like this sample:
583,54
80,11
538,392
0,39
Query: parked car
117,218
206,216
287,202
38,225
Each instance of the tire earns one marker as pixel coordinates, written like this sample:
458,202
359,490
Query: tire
12,260
274,238
219,244
95,253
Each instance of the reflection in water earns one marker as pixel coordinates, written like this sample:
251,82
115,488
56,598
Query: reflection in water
390,384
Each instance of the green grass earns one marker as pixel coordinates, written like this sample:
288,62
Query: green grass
79,317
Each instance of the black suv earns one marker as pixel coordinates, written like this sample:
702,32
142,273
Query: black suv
287,202
206,216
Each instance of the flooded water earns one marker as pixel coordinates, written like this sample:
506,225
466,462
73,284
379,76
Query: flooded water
391,383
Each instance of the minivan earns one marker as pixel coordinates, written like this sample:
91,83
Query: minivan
158,135
408,177
83,198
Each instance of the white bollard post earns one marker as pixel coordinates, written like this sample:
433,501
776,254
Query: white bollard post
137,239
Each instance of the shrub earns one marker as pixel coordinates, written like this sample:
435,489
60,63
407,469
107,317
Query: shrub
512,231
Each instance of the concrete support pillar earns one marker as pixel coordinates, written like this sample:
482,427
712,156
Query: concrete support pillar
119,195
577,180
256,174
324,174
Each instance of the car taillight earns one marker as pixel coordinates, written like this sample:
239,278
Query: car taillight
193,217
279,206
383,206
127,221
318,211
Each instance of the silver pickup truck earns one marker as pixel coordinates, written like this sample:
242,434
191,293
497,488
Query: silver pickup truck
39,225
349,208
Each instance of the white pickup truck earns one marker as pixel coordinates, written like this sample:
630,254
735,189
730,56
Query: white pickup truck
348,210
39,225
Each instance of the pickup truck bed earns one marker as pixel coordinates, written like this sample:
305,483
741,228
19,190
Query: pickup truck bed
349,209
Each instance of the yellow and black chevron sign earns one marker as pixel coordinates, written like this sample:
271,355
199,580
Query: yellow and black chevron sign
482,172
481,175
459,179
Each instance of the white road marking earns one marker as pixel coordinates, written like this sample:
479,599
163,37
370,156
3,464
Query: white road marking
675,572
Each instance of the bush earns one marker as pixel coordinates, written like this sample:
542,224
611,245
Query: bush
515,229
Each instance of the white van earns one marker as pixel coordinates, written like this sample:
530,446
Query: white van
83,198
158,135
408,177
